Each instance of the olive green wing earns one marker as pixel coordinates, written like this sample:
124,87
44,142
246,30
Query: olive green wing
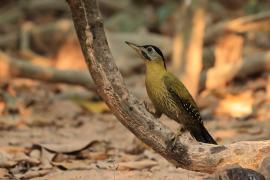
181,96
184,100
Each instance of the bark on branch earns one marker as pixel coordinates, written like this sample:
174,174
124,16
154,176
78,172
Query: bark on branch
132,114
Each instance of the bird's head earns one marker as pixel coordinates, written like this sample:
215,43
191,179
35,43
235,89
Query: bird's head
151,54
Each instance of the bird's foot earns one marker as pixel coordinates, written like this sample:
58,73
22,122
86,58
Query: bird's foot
156,114
180,130
147,107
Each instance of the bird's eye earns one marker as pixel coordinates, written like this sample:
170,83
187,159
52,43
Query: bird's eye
150,49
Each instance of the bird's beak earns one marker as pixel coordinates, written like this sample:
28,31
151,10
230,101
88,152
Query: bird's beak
136,47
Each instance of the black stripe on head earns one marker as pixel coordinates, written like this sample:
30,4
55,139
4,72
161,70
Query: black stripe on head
157,50
145,56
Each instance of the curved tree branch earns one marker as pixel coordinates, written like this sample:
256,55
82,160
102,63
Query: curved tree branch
132,114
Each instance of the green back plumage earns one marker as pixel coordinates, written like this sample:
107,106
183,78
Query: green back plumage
181,96
177,87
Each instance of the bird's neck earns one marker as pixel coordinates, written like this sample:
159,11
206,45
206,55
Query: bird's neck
155,70
154,74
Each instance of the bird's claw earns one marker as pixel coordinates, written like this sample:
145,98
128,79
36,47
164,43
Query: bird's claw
147,107
173,142
176,136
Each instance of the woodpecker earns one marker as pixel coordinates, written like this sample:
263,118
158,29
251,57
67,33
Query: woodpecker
169,95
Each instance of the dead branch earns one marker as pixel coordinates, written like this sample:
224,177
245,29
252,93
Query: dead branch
256,22
21,68
228,57
132,114
12,13
219,76
10,66
259,62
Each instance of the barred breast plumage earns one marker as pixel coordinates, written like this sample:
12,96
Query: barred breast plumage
159,95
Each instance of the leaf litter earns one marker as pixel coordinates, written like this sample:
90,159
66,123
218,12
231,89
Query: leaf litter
54,137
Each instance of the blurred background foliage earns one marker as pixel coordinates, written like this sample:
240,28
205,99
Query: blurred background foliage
217,48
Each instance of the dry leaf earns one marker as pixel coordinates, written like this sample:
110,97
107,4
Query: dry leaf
95,155
4,174
6,160
236,106
73,164
2,107
136,165
137,147
63,157
71,147
129,157
12,149
100,174
73,59
106,165
46,158
32,174
4,67
94,107
64,109
23,157
10,156
225,133
35,154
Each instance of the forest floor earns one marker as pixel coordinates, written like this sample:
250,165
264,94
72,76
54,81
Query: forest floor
50,135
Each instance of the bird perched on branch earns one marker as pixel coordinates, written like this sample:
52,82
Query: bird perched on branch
169,95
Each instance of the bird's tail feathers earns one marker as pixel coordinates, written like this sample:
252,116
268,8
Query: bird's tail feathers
202,135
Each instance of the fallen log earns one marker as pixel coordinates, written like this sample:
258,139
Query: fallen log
256,22
132,114
12,67
257,63
21,68
220,76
